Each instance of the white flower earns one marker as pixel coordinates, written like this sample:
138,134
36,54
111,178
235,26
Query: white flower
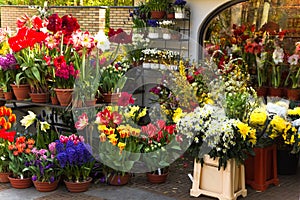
278,55
102,41
293,59
44,126
28,119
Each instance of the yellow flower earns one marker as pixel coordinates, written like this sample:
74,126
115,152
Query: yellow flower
244,129
44,126
143,113
252,136
121,146
258,117
133,110
278,123
102,137
177,115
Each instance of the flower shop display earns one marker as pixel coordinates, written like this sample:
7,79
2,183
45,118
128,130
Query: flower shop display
166,25
44,169
179,7
76,161
153,25
7,135
20,155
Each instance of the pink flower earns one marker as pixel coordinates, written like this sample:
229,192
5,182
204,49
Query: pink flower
161,123
82,122
125,99
52,148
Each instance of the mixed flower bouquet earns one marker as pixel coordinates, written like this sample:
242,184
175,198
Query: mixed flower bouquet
217,135
20,155
43,166
120,146
7,136
160,143
74,157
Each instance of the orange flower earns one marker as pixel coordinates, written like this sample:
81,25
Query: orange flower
21,139
30,141
7,111
2,111
102,137
11,147
27,151
12,118
2,121
7,126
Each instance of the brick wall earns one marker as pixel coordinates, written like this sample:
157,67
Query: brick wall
119,18
89,18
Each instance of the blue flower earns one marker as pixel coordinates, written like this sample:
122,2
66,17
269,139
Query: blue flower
59,146
152,23
62,159
52,179
72,155
180,3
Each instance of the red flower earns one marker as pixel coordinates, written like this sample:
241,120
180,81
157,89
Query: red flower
69,24
119,36
125,99
55,23
108,118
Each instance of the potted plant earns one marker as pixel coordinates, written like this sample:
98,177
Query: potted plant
112,80
44,169
119,146
76,161
152,25
6,138
158,8
179,9
167,26
159,140
20,155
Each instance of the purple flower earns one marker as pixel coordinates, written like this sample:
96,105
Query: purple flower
52,179
34,178
62,159
72,155
59,146
8,62
152,23
180,3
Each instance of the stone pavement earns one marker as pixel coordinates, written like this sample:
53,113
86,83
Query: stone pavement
176,188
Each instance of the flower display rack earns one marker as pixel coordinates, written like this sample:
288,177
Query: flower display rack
261,169
224,184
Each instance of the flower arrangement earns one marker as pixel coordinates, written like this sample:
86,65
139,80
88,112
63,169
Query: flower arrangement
44,135
74,157
20,155
43,166
217,135
119,135
6,136
159,141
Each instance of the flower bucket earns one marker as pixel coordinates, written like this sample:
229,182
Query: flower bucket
293,94
226,183
261,169
21,91
64,96
157,14
78,186
275,92
111,98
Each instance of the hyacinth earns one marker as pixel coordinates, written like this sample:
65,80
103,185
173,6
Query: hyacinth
8,62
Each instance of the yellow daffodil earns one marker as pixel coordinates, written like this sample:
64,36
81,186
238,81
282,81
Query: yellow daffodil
44,126
121,146
244,129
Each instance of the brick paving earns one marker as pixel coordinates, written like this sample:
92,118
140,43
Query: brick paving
177,187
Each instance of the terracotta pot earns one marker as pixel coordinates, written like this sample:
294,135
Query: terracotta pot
8,95
54,100
155,178
64,96
4,177
293,94
21,92
20,183
90,102
39,97
111,98
78,187
170,15
262,91
275,92
157,14
45,186
1,93
118,179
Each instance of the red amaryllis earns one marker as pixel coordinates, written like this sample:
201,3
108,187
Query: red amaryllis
119,36
108,118
69,24
125,99
55,23
82,122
